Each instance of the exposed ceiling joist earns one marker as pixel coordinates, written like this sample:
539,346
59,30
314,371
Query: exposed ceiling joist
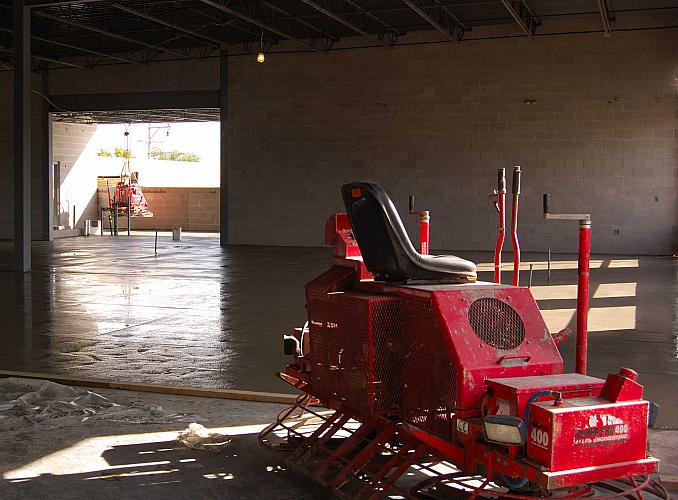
44,58
374,17
301,21
450,26
101,31
523,15
55,3
342,20
251,20
138,116
203,37
605,16
75,47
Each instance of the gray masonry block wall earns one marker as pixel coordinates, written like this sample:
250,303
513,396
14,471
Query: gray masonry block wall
68,143
40,171
591,120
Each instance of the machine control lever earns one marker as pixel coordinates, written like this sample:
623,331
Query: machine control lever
550,216
498,198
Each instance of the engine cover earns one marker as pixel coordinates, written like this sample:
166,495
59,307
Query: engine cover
586,432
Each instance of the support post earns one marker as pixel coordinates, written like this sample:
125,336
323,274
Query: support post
46,168
56,193
22,137
115,216
129,216
223,161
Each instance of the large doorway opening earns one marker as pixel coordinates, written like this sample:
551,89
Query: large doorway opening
135,171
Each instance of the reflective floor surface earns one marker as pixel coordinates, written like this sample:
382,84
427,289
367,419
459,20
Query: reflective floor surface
197,314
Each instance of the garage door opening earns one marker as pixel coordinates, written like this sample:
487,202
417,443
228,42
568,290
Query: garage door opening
160,166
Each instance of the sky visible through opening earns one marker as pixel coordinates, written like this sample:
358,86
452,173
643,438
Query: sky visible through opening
195,138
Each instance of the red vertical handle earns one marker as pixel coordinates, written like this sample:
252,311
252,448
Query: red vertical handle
514,225
424,232
501,208
583,295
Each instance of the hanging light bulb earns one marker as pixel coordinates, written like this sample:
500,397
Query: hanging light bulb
260,56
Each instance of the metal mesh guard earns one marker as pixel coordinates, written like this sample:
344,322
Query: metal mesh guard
496,323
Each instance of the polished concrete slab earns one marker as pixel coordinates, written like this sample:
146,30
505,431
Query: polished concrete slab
197,314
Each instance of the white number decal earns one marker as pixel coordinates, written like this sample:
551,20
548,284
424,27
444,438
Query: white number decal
539,437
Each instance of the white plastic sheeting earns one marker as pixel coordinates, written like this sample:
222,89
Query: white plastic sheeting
199,438
25,403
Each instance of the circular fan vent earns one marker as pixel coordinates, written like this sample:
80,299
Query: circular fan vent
496,323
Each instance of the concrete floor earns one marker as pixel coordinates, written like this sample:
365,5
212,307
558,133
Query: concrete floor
199,315
116,460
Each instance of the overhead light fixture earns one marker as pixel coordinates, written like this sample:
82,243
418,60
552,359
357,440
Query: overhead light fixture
260,56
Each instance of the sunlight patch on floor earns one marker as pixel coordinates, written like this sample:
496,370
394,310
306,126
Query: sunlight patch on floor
542,265
601,291
87,455
601,319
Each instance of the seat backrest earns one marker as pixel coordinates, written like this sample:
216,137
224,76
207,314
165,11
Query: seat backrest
385,246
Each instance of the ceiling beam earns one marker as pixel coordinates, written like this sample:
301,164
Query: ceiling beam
605,16
301,21
372,16
216,43
446,9
94,29
75,47
454,32
44,58
55,3
229,24
251,20
342,20
523,15
88,51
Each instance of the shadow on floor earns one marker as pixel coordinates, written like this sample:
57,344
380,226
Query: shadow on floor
167,469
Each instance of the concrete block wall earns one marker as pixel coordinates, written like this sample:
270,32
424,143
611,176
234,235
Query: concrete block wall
592,120
154,77
194,209
78,182
40,168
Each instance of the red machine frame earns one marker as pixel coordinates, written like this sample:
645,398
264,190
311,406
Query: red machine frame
419,368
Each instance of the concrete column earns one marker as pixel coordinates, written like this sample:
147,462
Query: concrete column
22,137
47,177
223,103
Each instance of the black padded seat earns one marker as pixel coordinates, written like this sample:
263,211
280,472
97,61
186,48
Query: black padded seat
385,246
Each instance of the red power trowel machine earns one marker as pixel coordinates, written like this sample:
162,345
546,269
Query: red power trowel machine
427,371
128,195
